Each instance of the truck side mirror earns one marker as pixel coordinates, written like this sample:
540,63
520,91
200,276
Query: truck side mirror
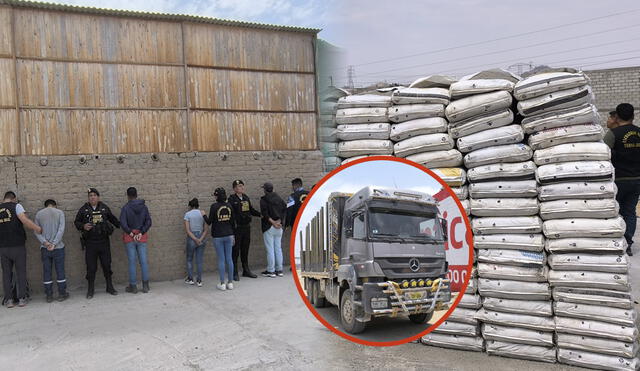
445,229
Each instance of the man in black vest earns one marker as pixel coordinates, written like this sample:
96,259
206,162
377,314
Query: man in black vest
295,200
12,247
624,140
243,211
95,221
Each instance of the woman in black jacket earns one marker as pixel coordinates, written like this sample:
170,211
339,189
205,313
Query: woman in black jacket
222,223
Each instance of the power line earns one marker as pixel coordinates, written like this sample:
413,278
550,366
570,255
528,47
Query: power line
503,51
611,61
498,39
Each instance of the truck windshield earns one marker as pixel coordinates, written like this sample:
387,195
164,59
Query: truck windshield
404,225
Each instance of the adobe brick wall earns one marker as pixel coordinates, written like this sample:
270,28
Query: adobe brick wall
614,86
166,185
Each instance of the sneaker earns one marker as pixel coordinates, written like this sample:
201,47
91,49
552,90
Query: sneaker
268,274
229,285
279,273
63,297
22,302
189,281
49,298
221,286
10,303
199,283
132,289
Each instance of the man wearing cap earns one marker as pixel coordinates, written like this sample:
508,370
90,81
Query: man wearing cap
243,211
624,140
96,223
273,210
295,200
13,253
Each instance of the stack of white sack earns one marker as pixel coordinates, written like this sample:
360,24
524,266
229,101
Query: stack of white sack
594,316
327,127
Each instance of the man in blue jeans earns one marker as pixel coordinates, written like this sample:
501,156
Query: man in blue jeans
273,210
52,221
624,140
135,222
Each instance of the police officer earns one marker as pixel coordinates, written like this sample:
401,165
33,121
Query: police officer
295,200
96,222
243,211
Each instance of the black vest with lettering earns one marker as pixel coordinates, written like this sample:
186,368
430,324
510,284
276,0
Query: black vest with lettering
626,151
222,219
12,232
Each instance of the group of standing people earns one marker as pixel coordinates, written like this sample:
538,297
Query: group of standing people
229,217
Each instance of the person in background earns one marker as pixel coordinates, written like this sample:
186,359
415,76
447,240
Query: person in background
96,222
52,221
273,210
222,222
243,211
624,140
135,222
295,200
13,252
196,240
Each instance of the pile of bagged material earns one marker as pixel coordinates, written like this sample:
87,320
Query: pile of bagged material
595,321
327,128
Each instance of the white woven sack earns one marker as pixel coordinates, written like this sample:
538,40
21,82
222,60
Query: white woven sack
480,123
548,82
597,345
574,208
512,257
517,290
623,317
329,149
328,108
590,262
506,225
566,134
499,154
588,245
478,104
363,131
361,147
587,151
332,162
457,328
577,190
475,344
493,137
420,96
470,301
585,114
517,335
527,242
596,280
472,287
593,296
351,159
574,171
521,351
423,143
415,111
583,227
505,173
328,135
511,272
361,115
597,361
516,320
555,101
450,158
328,121
504,206
461,192
472,87
364,101
502,189
465,206
412,128
541,308
463,315
453,176
596,328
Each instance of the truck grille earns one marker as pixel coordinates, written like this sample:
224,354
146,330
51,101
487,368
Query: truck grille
400,267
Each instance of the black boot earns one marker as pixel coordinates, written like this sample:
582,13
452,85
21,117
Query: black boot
145,287
629,252
246,272
90,289
110,289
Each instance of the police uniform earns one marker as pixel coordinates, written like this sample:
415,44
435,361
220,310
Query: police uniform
96,242
243,211
294,203
12,250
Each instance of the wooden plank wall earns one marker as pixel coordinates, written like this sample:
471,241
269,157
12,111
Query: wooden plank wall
85,83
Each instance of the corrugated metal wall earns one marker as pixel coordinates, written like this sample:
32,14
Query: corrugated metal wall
88,83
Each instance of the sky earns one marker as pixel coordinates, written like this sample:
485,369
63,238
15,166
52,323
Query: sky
388,174
399,41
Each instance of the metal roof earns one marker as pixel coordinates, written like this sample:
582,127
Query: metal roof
153,15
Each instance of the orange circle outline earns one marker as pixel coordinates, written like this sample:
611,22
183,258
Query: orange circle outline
294,270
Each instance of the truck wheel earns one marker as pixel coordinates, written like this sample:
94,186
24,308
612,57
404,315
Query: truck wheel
420,318
348,314
318,302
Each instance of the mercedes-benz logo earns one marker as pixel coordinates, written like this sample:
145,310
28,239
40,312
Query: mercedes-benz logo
414,264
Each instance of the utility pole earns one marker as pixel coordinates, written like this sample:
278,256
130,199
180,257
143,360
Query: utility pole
351,74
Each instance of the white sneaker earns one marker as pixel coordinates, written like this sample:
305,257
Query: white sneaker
221,286
199,283
229,285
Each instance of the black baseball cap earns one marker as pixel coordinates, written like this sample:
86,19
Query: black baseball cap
93,190
236,183
268,187
624,111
